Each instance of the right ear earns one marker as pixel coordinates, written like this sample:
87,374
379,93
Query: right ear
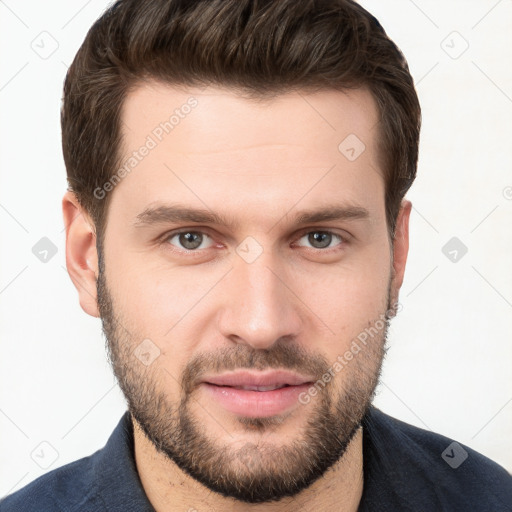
81,253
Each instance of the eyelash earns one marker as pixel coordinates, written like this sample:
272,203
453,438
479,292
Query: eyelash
342,240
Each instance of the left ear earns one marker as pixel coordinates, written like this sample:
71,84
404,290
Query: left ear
400,248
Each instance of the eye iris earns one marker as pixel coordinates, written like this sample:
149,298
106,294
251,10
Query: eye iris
320,239
190,240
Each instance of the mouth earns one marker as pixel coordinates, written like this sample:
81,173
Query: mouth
256,394
271,379
257,388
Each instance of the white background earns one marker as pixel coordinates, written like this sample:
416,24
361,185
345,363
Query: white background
449,365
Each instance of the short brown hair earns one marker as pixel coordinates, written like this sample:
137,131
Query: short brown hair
259,47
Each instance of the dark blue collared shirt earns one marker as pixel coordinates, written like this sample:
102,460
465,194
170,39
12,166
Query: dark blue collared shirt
405,469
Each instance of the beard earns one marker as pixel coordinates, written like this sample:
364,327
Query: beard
250,472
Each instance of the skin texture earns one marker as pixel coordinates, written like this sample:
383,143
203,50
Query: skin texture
295,305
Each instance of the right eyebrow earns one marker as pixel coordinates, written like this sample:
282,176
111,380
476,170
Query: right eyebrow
177,213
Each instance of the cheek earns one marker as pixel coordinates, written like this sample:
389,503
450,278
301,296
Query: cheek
158,305
160,302
348,296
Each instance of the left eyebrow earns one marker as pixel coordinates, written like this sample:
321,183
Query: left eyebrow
179,213
330,213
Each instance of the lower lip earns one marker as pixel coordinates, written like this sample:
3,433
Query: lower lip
255,404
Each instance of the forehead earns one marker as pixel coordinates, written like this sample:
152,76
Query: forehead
212,147
219,112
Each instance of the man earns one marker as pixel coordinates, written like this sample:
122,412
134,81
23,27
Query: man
236,217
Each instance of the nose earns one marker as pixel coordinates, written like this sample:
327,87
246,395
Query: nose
259,307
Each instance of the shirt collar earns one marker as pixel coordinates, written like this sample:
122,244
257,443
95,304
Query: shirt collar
116,476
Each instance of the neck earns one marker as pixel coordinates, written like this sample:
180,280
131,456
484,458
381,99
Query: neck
170,489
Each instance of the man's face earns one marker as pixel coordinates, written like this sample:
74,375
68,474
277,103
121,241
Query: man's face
185,300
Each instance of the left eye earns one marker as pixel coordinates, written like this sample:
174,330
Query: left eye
321,239
189,240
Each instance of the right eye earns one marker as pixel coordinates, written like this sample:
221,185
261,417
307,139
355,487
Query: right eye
188,240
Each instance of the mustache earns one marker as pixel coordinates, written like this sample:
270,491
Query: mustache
284,355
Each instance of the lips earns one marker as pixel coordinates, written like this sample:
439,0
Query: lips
259,388
259,380
256,394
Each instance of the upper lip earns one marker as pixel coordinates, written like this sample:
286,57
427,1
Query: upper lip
258,378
